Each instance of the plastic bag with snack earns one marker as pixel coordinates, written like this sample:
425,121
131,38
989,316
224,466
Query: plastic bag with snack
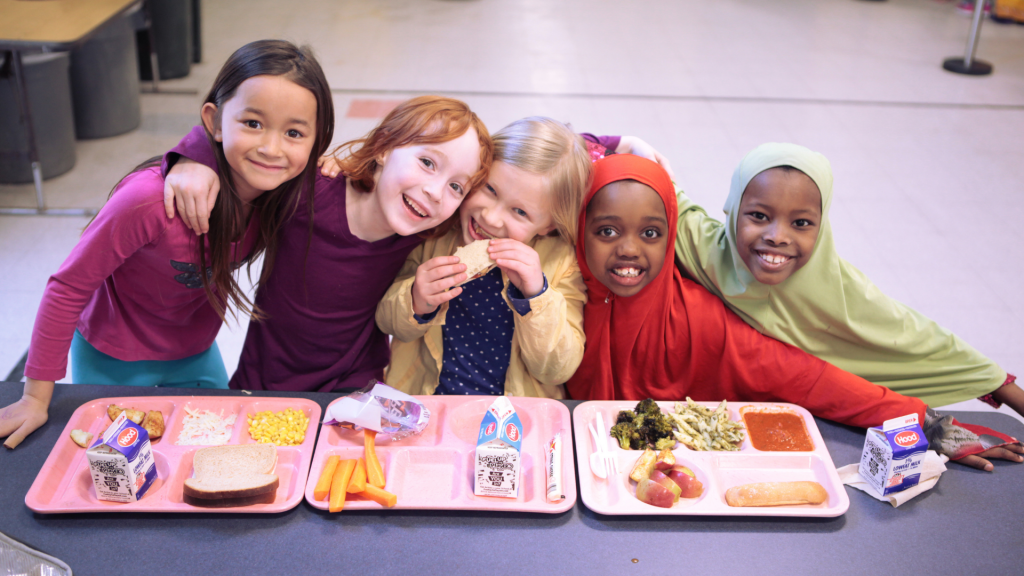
379,407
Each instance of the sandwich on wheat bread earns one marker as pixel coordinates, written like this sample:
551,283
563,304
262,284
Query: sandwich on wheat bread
474,255
232,476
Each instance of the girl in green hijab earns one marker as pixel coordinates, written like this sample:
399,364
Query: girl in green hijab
774,263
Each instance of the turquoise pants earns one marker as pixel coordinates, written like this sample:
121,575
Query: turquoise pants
90,366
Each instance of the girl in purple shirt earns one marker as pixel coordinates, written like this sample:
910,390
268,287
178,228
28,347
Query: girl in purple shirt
141,296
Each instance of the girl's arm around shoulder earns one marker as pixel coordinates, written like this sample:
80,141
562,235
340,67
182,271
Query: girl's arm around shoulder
131,219
551,335
697,235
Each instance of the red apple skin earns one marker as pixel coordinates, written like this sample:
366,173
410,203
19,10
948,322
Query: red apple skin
650,492
659,477
688,484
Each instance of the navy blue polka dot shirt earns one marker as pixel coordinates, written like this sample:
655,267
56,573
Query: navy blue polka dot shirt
477,336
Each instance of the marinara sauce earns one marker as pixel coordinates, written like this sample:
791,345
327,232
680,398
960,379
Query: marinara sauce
777,431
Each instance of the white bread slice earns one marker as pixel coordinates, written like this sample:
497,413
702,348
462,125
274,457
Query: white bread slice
237,471
474,255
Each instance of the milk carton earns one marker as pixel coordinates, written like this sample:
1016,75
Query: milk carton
497,451
893,455
121,462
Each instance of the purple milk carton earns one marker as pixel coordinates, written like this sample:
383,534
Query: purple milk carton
121,462
893,455
498,451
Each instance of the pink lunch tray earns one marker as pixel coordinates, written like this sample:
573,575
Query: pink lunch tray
433,470
718,471
65,484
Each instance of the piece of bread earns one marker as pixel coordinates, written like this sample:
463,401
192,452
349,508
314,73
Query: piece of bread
776,494
243,471
474,256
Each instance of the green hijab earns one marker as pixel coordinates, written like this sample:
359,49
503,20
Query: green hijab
829,308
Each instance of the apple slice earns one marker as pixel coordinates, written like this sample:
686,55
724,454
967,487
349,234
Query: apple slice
659,477
650,492
644,465
688,484
666,460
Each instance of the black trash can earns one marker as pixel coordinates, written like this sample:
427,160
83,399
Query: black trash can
172,27
49,93
105,82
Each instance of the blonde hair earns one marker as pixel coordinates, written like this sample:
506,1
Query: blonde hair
551,149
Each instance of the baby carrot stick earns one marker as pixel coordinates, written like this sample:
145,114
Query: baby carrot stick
339,483
382,497
358,481
374,472
323,485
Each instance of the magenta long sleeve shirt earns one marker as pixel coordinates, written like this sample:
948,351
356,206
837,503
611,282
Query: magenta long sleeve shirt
131,286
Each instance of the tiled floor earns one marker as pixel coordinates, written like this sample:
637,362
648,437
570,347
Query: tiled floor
927,164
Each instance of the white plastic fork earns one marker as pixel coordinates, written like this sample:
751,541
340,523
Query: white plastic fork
610,462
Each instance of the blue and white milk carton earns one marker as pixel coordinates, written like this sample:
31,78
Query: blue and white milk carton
894,455
121,462
498,451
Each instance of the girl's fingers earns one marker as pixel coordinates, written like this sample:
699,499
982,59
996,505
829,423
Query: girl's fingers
442,272
18,435
190,215
168,200
203,214
1002,453
976,462
443,297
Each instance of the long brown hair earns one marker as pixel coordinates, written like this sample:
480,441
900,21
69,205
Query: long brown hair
227,222
420,120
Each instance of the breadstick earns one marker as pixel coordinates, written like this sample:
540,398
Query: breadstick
776,494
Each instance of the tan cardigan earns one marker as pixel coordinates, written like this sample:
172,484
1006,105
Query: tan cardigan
547,343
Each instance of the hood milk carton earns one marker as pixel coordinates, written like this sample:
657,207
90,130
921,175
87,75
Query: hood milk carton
497,451
893,455
121,462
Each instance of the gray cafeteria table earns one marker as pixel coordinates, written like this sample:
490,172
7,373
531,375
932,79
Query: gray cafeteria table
969,523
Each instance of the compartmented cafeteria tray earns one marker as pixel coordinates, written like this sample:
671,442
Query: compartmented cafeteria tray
433,470
64,484
717,470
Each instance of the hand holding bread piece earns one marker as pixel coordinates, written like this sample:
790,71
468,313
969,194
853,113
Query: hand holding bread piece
776,494
474,255
232,475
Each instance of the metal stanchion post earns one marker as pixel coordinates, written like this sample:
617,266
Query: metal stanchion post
26,113
967,64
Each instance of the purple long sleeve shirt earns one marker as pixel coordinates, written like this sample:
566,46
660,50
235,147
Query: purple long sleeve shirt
320,334
131,286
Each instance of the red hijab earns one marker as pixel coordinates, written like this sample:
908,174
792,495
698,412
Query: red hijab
672,339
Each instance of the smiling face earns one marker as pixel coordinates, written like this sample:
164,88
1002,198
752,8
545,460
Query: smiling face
267,129
778,223
513,204
419,186
626,236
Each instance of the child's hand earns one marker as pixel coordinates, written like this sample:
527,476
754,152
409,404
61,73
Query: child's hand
194,188
434,277
21,419
329,165
1011,452
520,262
637,147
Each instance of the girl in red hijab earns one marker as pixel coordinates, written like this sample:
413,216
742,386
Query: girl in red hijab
653,333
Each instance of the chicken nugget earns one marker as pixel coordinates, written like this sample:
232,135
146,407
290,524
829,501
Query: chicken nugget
136,415
154,424
81,437
113,411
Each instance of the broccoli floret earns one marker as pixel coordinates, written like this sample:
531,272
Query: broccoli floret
648,407
625,416
665,443
660,427
628,436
